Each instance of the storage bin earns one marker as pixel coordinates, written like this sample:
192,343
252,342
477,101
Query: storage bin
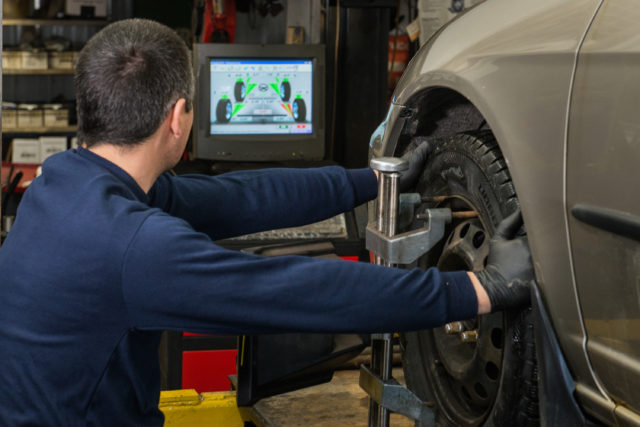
11,60
9,115
29,116
55,115
61,60
25,150
34,60
51,145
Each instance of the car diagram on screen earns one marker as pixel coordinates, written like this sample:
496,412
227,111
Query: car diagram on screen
261,102
247,95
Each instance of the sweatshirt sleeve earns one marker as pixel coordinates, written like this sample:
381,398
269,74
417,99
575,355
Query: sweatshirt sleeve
176,278
250,201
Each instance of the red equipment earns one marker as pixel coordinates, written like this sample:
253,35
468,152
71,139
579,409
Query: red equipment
219,21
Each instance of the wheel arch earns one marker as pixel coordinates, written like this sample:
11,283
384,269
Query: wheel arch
442,111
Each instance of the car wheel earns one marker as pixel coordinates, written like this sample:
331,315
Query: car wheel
223,111
285,91
299,109
239,91
481,371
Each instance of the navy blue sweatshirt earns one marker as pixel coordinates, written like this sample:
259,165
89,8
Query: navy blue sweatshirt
94,269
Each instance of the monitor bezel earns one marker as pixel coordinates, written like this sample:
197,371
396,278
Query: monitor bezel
257,147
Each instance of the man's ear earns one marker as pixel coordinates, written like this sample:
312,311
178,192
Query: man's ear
176,116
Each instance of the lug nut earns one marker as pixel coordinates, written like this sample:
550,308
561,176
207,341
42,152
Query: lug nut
453,328
469,336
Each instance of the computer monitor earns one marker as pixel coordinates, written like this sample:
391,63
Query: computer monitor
259,102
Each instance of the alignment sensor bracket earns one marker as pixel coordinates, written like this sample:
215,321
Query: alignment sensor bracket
406,248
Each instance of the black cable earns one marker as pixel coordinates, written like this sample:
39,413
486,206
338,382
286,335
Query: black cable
12,186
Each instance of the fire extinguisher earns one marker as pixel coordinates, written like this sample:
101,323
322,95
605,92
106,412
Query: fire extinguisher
398,58
219,21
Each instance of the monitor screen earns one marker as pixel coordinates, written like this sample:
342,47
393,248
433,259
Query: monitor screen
261,96
259,102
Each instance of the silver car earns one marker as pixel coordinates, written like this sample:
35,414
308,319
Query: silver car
536,104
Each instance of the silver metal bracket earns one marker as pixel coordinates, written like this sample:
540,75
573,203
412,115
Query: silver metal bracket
407,247
397,398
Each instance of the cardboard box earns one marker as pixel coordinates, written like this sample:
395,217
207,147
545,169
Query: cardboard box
51,145
9,119
25,150
35,60
15,9
56,117
62,60
11,60
29,116
86,8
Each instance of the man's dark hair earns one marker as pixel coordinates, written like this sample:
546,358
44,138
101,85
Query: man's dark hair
128,77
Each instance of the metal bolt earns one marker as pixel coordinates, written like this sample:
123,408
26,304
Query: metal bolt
469,336
453,328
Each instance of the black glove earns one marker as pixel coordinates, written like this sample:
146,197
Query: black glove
509,272
416,158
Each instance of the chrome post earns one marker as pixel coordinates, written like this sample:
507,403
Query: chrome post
389,169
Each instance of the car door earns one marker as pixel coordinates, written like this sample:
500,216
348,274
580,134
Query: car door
603,198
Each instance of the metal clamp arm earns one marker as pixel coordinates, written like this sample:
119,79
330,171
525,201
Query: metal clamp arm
407,247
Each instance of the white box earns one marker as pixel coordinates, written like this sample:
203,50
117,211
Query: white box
74,8
29,116
9,119
56,118
35,60
51,145
11,60
62,60
25,150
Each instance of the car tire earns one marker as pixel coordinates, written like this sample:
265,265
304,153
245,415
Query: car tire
492,381
299,109
240,91
285,91
223,111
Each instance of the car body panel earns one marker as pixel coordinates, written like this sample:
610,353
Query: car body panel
514,61
602,172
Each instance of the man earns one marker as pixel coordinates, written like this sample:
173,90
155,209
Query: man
108,250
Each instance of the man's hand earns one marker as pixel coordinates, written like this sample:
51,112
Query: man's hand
509,271
416,159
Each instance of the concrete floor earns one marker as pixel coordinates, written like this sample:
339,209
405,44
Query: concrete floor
340,402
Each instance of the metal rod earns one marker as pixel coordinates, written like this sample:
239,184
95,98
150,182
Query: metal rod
464,214
386,214
455,215
435,199
380,348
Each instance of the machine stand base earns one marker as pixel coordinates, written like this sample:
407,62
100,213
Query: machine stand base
396,398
